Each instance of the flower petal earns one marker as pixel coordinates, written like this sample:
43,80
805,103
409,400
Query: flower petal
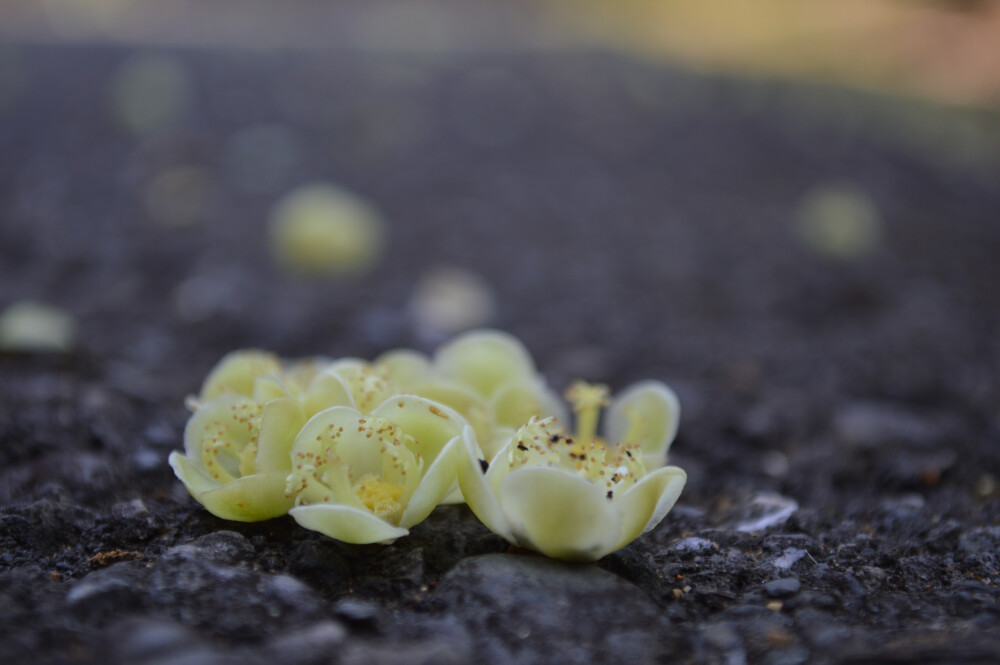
647,414
247,499
338,427
481,499
484,360
405,368
346,524
515,403
432,425
559,514
647,502
281,423
267,387
220,423
467,403
191,474
327,389
436,483
234,374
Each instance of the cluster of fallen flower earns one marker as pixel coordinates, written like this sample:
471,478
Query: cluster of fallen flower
363,451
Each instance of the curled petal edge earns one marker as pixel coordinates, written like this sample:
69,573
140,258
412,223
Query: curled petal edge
346,524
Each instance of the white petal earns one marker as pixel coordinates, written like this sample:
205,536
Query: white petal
354,449
431,424
282,421
346,524
559,514
484,360
453,498
267,387
327,389
478,495
194,477
235,373
210,415
467,403
406,369
435,484
647,502
657,413
515,403
501,437
247,499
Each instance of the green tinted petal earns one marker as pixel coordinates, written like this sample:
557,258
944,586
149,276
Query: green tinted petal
647,414
468,404
326,390
235,373
405,368
435,484
248,499
515,403
478,495
484,360
282,420
647,502
346,524
559,514
432,425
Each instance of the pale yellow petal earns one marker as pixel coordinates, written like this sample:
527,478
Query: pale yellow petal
248,499
436,483
346,524
405,368
515,403
281,423
191,474
478,495
646,414
484,360
235,373
337,428
267,387
432,425
647,502
467,403
209,420
559,514
326,390
501,437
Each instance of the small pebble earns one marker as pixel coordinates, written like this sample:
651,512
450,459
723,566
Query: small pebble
785,586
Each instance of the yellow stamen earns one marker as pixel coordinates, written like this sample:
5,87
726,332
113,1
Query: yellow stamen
380,497
587,400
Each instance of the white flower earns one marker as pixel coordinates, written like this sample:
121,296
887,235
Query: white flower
368,478
575,497
486,375
236,456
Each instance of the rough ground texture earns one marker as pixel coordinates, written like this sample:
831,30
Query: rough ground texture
840,421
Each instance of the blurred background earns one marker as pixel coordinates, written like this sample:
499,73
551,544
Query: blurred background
780,207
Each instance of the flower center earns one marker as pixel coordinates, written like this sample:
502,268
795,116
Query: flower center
380,497
365,464
541,442
229,443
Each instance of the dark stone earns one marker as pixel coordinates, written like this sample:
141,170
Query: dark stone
116,589
358,614
225,547
304,646
535,610
780,588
